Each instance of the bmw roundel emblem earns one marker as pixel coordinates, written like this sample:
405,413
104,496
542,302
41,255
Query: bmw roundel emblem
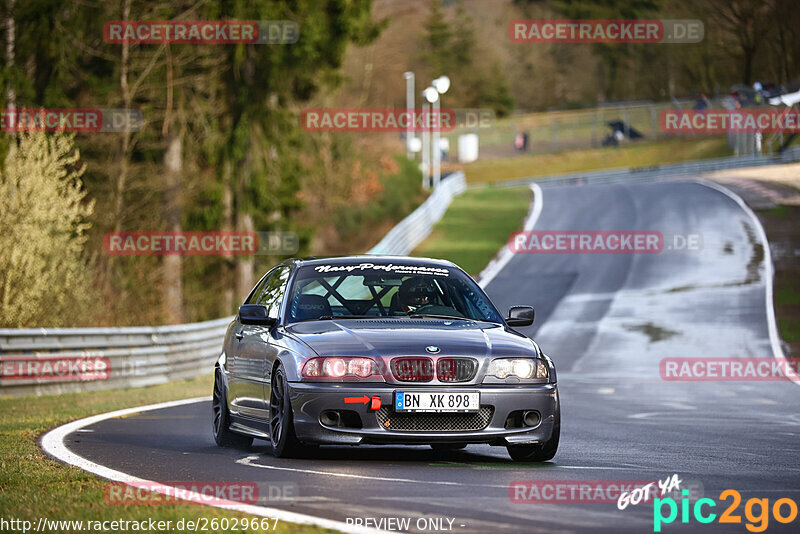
432,349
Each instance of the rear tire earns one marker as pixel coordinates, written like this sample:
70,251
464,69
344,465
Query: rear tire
281,419
221,421
538,453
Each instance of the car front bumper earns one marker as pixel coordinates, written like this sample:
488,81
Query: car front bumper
309,400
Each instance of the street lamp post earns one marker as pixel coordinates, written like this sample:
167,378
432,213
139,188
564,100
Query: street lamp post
426,145
436,154
409,76
430,96
440,86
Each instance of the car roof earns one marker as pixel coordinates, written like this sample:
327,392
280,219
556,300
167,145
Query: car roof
371,258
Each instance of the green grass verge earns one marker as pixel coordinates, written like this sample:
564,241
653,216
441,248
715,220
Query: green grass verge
790,330
788,294
787,304
783,232
476,226
633,155
33,485
780,212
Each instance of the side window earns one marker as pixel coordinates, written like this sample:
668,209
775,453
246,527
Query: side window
251,298
272,295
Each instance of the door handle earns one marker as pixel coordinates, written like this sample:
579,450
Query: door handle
239,335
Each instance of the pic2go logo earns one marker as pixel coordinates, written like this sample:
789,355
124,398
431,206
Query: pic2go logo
758,521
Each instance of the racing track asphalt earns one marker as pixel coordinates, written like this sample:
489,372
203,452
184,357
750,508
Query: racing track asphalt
607,320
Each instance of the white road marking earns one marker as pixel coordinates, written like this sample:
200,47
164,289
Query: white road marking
678,405
53,444
248,461
765,401
505,255
608,468
774,336
645,415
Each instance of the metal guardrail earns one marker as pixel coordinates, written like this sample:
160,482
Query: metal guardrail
135,356
413,230
659,172
145,355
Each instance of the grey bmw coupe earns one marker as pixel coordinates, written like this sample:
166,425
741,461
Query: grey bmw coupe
382,350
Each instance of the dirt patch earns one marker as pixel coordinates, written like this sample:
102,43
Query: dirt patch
782,225
779,183
655,333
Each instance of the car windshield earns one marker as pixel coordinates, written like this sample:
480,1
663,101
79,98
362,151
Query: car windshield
365,290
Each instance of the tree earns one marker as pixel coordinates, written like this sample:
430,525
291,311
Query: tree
261,89
10,23
614,56
438,38
747,22
45,278
785,45
173,132
452,49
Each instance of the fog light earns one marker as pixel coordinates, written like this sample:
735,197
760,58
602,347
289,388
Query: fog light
329,418
532,418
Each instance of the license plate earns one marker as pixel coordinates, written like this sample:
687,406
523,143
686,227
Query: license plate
436,401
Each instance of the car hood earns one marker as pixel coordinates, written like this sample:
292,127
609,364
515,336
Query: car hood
410,337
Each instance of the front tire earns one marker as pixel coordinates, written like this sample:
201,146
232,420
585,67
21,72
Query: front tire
538,453
222,421
281,418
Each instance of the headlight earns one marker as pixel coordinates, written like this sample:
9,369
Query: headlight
523,368
335,368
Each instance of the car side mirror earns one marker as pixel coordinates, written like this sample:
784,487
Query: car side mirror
520,316
255,314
